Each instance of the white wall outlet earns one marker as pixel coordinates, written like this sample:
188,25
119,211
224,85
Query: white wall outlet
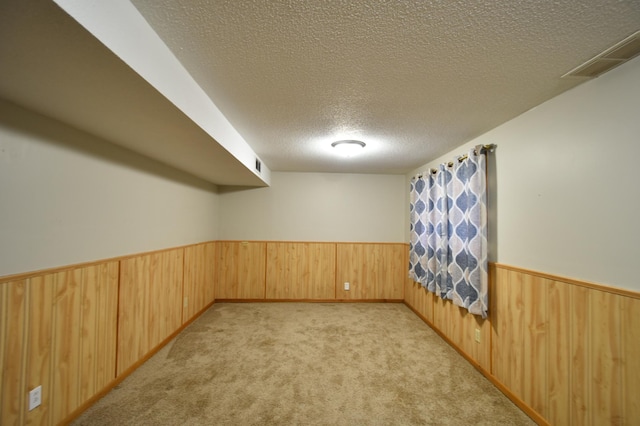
35,397
346,286
185,302
478,335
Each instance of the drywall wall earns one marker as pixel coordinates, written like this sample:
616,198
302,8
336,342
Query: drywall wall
565,187
317,207
67,197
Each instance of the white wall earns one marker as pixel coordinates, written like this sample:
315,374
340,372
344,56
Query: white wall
317,207
67,197
566,188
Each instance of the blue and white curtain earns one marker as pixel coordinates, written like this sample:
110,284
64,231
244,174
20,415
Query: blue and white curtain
448,220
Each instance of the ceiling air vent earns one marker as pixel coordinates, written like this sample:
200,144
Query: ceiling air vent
258,165
609,59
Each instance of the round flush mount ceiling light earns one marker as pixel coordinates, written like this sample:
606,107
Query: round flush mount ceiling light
348,147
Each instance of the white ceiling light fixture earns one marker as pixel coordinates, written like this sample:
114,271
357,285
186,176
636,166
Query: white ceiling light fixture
348,147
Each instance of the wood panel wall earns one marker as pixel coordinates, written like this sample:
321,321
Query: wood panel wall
373,271
301,271
58,331
567,351
73,330
150,307
453,322
241,270
571,348
199,278
310,271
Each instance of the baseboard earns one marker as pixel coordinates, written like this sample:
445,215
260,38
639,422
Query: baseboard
309,300
517,401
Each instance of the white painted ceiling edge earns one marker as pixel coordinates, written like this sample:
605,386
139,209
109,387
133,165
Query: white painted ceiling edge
121,28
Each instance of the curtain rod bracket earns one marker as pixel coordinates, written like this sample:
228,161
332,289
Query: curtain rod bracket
479,148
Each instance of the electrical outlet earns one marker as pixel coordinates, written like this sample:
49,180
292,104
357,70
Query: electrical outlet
185,302
35,397
346,286
478,335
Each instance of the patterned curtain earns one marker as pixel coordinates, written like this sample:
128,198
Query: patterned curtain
417,232
448,230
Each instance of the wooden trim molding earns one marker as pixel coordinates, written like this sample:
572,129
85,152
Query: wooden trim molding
572,281
309,300
56,269
313,242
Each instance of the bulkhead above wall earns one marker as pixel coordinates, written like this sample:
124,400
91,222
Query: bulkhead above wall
83,66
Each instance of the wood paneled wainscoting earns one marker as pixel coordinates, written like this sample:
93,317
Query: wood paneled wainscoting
78,330
150,303
282,271
58,331
566,351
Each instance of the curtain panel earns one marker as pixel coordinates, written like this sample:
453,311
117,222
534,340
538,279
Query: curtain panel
448,232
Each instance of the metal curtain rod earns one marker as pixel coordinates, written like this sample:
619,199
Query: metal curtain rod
461,158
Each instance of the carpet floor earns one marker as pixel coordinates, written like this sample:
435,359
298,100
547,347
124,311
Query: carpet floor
305,364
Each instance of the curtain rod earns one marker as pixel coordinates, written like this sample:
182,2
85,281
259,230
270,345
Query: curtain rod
490,147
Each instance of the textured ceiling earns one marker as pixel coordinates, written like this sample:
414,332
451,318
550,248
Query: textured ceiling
413,79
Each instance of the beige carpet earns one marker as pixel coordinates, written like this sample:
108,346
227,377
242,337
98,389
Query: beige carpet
306,364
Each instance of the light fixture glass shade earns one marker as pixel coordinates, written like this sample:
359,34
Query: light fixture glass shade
348,148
